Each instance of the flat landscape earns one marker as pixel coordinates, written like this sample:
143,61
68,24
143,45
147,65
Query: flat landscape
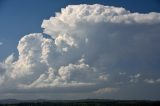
87,102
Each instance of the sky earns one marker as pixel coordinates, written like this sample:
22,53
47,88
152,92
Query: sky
76,49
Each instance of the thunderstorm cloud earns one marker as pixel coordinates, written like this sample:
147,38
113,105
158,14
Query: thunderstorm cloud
87,48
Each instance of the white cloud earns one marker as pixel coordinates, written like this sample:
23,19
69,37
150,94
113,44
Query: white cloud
122,73
103,77
79,74
135,78
158,80
88,42
1,43
152,81
105,90
9,59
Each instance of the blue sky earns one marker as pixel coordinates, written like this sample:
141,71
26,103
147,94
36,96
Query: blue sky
19,18
97,51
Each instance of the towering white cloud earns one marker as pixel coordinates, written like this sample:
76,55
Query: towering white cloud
87,42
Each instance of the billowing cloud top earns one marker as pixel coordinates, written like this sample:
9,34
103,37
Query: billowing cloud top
87,44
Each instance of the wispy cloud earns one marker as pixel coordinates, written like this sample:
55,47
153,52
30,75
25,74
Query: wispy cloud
152,81
106,90
1,43
135,78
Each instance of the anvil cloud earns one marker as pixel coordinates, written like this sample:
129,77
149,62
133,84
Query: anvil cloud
87,44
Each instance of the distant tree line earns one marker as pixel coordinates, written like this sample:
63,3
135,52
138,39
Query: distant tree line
110,103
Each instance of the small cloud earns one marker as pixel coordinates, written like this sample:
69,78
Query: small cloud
135,78
105,90
122,73
103,77
137,75
150,81
158,80
1,43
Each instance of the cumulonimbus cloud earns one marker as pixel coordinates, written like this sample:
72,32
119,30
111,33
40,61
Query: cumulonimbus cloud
87,41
